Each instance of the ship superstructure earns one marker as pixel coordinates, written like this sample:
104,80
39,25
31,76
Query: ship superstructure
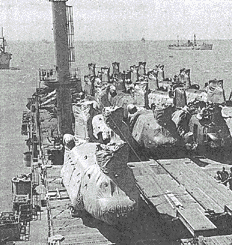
5,57
191,45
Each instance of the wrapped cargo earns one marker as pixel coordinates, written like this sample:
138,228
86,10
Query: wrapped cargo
109,195
83,113
96,176
215,92
154,129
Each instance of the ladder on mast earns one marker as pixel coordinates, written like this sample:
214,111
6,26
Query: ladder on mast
70,32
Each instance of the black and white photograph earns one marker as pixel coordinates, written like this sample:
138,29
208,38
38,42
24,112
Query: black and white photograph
115,122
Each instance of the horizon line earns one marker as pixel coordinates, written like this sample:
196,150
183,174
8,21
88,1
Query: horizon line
113,40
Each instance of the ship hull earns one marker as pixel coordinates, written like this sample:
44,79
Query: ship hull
206,47
5,60
198,47
180,48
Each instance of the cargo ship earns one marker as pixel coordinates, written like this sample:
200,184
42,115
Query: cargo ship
191,45
5,57
89,182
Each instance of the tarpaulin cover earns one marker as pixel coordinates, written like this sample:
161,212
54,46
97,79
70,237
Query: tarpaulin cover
133,117
139,93
229,124
110,155
217,126
159,98
152,83
49,127
193,94
109,197
227,114
105,94
181,119
122,99
215,94
83,114
180,99
227,111
148,131
114,119
177,116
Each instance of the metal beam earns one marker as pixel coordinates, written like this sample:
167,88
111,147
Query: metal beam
62,63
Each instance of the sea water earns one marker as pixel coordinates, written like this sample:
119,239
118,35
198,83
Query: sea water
18,85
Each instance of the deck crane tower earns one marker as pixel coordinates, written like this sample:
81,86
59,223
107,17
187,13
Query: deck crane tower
64,52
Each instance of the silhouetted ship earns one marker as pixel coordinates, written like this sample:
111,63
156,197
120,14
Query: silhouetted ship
5,57
191,45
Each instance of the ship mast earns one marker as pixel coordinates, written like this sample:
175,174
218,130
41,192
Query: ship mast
194,40
64,109
3,42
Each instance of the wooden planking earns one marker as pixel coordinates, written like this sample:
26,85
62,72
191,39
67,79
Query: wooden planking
193,184
211,187
53,179
53,171
148,186
169,184
193,178
197,188
154,194
160,188
169,197
213,240
141,168
71,228
206,176
150,189
196,222
219,187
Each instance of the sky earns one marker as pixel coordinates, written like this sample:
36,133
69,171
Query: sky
96,20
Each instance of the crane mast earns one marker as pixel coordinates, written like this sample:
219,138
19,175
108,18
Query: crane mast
62,54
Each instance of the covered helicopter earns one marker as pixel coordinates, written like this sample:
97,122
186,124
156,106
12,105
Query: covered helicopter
192,116
107,139
95,171
191,106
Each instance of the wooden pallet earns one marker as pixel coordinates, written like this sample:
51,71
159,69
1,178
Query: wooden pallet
196,222
178,188
214,240
202,187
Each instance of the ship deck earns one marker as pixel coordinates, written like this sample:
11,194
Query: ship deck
167,191
61,222
178,200
181,190
88,230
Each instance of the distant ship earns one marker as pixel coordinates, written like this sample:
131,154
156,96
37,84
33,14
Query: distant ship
191,45
5,57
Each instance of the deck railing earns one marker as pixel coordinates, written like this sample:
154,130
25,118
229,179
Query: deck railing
51,74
